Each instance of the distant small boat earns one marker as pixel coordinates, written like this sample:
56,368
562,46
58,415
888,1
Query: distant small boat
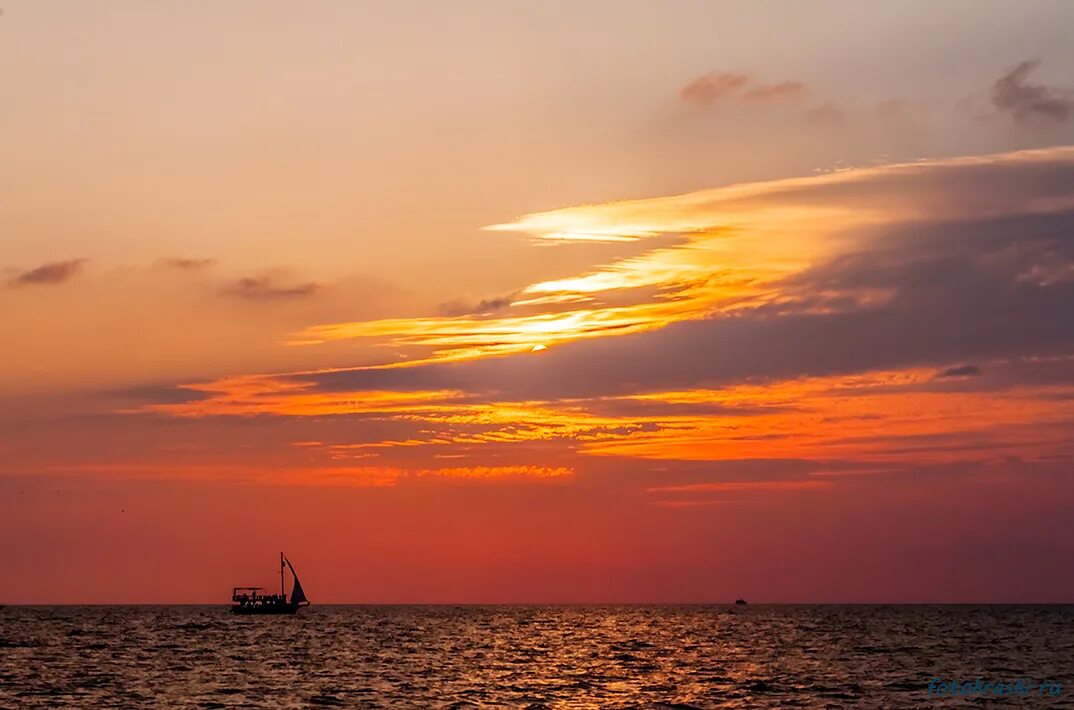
740,602
246,600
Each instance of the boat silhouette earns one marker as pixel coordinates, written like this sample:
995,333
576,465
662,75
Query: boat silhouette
246,600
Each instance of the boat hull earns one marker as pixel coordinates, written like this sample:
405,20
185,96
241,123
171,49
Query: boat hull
254,610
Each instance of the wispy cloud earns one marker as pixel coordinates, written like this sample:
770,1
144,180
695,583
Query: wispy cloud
718,86
189,264
332,475
483,307
737,486
782,90
55,272
827,115
266,288
713,86
960,371
1014,94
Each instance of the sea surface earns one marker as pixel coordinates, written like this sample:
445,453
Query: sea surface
532,656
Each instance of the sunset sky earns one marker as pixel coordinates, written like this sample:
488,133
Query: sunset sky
499,301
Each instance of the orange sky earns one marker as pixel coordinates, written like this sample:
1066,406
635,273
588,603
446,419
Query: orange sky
512,313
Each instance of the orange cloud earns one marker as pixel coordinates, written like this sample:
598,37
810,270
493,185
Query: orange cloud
351,476
877,417
264,394
750,258
907,415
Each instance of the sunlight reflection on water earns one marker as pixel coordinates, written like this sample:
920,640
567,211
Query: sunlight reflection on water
524,656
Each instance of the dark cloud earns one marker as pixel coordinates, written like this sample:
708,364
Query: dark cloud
960,371
189,264
716,86
1014,94
482,307
55,272
155,393
264,288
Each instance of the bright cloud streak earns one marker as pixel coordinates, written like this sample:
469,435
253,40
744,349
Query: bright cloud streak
741,244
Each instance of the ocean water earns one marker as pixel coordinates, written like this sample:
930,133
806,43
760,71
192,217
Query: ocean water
534,656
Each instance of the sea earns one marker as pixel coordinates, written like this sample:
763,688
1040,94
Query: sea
538,657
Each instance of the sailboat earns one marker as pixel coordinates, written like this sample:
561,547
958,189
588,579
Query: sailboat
246,600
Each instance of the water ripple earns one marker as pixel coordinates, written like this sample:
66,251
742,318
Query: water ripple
527,657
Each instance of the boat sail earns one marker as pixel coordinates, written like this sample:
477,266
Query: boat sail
246,600
298,596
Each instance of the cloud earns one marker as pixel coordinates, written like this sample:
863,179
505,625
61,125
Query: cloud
1026,102
189,264
55,272
717,86
713,86
827,115
483,307
854,417
825,249
154,393
961,371
265,288
735,486
782,90
796,319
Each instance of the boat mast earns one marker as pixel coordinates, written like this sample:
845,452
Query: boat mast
281,575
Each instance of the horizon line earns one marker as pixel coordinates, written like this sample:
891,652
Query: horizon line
554,604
